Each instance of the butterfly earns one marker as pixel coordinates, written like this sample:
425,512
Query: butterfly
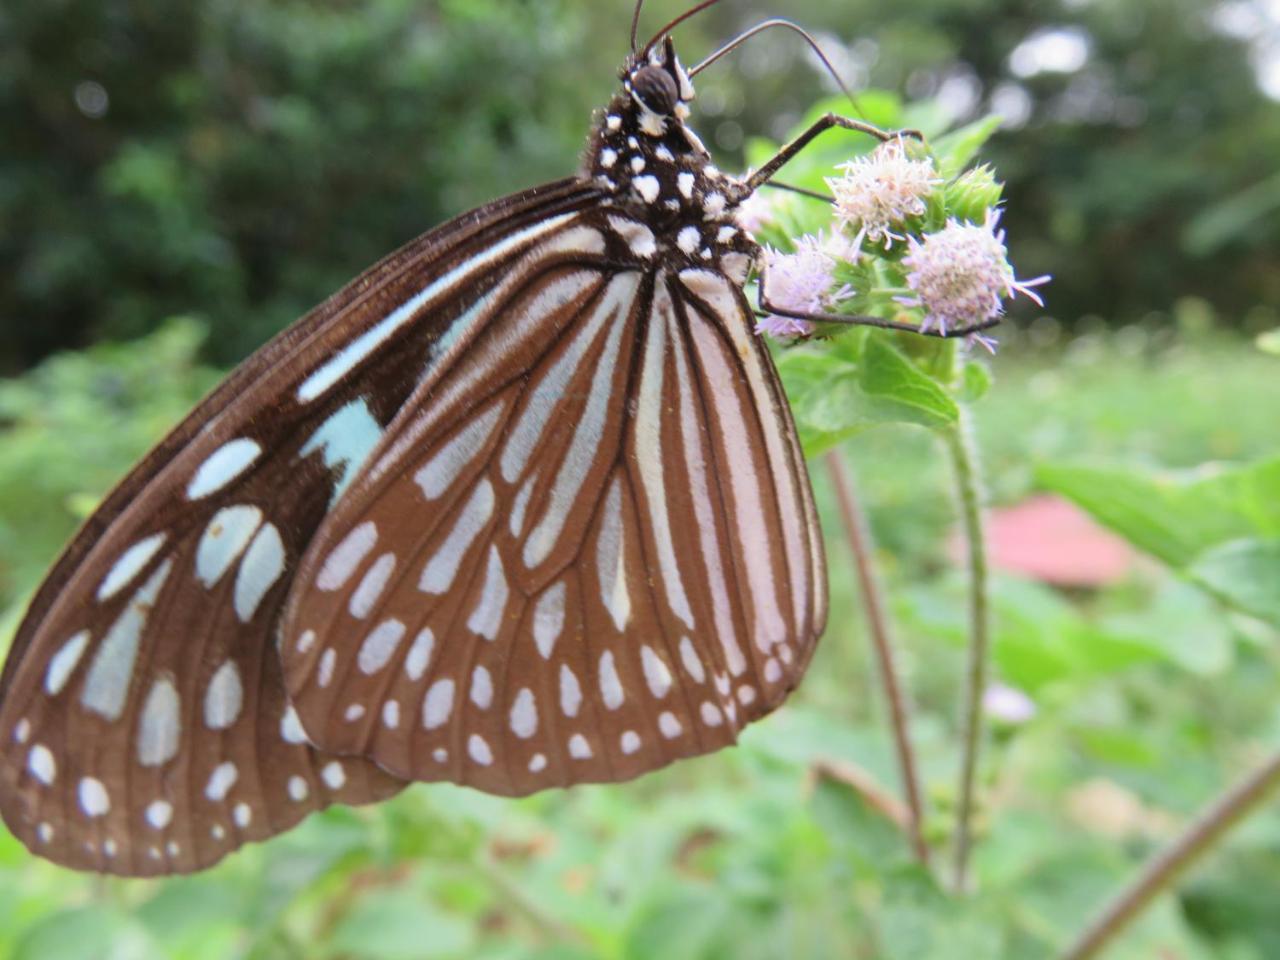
520,507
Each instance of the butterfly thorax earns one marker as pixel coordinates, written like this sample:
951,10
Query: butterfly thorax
672,203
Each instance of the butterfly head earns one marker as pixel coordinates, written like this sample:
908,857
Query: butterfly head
658,86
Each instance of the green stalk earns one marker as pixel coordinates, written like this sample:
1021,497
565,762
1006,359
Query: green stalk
1163,869
967,468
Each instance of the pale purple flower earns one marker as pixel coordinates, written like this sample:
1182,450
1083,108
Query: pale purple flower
961,275
880,190
803,281
1008,704
756,212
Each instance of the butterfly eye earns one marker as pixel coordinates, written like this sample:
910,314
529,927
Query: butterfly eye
656,89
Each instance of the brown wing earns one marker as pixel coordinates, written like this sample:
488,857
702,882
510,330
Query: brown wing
143,722
586,549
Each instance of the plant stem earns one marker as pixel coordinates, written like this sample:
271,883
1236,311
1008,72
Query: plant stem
859,537
965,462
1165,867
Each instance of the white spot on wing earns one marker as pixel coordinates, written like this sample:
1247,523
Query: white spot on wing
579,749
415,664
159,813
479,750
224,697
648,187
685,184
345,440
222,466
375,580
481,688
610,684
688,239
438,704
638,238
160,726
221,781
548,619
570,691
486,619
669,725
630,742
440,472
692,663
129,565
106,687
291,727
262,566
224,539
656,673
93,796
379,646
333,775
298,788
347,556
524,714
324,670
440,570
611,559
521,504
41,765
63,663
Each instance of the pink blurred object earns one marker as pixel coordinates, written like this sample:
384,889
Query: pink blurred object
1052,540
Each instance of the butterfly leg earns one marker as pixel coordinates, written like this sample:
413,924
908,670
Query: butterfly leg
768,307
823,124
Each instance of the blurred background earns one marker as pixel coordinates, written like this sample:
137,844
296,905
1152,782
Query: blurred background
178,181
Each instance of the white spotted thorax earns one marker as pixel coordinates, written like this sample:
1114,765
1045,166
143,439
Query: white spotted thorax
671,201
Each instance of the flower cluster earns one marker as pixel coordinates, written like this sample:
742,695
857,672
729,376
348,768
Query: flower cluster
801,282
879,191
953,273
961,275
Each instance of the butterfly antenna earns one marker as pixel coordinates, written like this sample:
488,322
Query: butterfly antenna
694,11
742,38
635,24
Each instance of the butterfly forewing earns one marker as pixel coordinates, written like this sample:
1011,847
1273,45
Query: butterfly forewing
144,719
586,550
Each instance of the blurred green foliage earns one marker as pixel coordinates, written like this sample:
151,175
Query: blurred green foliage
248,158
1149,696
238,161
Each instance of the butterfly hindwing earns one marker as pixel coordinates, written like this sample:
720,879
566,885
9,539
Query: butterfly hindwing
585,550
144,720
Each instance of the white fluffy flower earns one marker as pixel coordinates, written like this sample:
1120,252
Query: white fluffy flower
961,275
802,282
877,192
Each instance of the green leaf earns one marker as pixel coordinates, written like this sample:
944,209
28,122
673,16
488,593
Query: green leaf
960,146
400,925
1175,517
899,390
975,381
1244,573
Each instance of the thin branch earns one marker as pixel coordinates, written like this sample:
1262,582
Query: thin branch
1164,868
859,537
865,786
964,459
